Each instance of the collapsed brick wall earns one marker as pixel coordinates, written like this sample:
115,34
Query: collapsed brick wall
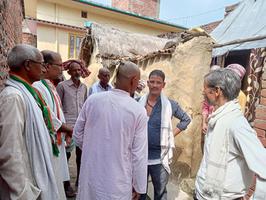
260,120
30,39
148,8
11,16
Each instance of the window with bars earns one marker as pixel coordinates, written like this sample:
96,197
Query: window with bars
74,45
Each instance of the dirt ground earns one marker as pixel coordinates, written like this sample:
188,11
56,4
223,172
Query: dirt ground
72,171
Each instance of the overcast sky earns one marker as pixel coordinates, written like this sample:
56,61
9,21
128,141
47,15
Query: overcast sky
189,13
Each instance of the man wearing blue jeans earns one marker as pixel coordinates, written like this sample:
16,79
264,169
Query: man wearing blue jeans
160,110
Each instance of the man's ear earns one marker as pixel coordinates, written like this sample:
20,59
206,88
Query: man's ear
27,65
218,91
164,83
134,80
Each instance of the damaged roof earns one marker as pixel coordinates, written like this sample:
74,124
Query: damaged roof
244,28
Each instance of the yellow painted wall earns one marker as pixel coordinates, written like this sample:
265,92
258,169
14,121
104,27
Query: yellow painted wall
46,38
57,12
69,12
30,8
55,39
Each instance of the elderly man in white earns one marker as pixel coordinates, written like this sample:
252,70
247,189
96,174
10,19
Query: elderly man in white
232,151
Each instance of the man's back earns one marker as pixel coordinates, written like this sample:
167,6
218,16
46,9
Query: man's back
114,146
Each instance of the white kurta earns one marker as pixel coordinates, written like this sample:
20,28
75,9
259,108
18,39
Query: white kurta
16,179
246,157
111,130
61,165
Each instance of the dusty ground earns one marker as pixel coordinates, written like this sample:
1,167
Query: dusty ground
173,189
72,170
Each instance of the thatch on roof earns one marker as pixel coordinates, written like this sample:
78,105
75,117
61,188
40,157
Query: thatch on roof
113,45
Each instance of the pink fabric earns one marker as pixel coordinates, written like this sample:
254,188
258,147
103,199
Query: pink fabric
207,109
239,69
85,72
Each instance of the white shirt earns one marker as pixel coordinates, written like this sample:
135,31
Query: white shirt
246,157
111,130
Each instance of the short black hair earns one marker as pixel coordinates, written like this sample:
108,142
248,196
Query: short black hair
48,56
157,72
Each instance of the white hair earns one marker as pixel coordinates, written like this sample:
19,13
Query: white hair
228,81
19,53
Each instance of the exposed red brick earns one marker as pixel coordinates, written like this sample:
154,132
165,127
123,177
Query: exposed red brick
260,132
148,8
263,84
261,124
263,141
11,16
29,39
263,93
263,101
211,26
264,75
260,112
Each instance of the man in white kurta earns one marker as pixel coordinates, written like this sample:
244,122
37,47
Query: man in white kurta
26,167
52,99
232,151
61,166
111,130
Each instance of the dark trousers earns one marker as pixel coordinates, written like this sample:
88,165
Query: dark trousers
78,160
159,178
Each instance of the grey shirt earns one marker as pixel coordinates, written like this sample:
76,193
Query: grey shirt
72,98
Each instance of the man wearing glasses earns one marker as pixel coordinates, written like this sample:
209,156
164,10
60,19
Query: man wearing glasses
26,142
53,63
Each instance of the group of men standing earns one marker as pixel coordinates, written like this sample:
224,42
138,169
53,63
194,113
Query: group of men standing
120,140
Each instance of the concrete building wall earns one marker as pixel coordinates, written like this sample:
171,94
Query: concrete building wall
58,13
11,16
57,39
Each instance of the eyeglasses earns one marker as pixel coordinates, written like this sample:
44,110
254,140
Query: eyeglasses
40,63
58,65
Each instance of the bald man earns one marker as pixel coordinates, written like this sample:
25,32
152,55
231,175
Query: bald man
112,132
103,84
27,142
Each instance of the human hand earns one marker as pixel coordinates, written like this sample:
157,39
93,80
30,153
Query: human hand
204,128
135,195
68,140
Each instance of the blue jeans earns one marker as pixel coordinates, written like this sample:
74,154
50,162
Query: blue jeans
159,177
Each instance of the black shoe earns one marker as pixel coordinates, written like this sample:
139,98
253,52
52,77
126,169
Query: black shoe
70,192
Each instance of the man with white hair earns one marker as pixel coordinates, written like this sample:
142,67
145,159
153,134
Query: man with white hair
27,140
232,151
